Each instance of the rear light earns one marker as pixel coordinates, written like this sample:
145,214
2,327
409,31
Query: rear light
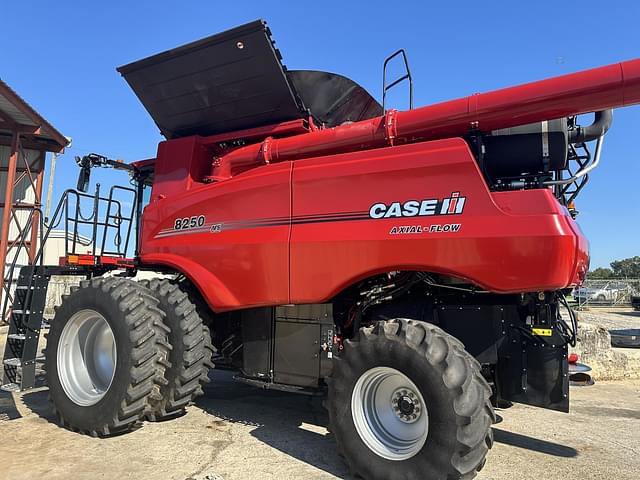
573,358
78,260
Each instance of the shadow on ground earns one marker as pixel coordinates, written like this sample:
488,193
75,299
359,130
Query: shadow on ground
282,421
38,402
37,398
8,410
293,424
533,444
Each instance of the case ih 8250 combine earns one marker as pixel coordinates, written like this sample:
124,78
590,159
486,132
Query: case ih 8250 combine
411,265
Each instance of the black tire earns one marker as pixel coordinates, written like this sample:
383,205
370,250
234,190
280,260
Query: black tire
601,298
139,333
190,357
455,393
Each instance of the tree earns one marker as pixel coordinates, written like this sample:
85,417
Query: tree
628,267
600,273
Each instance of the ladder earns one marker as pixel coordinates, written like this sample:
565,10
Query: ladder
21,348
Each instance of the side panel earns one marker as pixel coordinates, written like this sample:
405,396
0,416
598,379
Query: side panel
527,245
257,342
534,370
287,345
300,332
233,263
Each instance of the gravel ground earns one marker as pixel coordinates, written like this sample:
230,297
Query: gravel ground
611,317
239,432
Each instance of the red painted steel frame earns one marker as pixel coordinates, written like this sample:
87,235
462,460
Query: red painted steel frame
26,226
299,232
8,206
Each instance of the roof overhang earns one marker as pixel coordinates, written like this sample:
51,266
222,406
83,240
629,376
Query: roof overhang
17,116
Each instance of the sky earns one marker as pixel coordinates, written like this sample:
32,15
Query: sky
61,57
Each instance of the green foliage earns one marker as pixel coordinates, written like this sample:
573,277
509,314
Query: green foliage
600,273
629,267
625,268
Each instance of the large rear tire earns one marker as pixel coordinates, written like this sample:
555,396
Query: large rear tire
190,357
406,401
105,356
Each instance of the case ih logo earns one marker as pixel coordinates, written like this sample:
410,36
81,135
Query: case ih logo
414,208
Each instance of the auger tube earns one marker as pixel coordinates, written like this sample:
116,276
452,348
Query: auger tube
598,89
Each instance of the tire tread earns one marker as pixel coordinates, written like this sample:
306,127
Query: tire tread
192,343
142,317
461,376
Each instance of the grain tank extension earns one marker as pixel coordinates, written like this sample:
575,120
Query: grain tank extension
410,265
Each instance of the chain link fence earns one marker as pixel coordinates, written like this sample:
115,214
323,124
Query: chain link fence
601,293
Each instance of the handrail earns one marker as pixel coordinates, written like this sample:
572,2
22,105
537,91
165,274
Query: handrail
583,171
73,222
406,76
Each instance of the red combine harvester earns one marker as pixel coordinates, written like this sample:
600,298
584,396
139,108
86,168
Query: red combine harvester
411,265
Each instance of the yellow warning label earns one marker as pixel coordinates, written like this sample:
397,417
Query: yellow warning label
542,332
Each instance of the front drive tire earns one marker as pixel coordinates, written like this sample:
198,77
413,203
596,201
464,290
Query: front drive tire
105,356
406,401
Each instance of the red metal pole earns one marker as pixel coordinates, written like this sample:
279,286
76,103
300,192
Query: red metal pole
8,205
612,86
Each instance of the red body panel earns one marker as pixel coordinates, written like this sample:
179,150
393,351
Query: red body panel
179,166
507,242
299,232
234,268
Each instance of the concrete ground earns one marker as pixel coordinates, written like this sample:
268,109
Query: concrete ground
239,432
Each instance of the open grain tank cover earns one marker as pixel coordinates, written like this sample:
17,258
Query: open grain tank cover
229,81
235,80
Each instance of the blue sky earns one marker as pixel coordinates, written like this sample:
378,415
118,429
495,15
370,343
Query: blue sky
61,57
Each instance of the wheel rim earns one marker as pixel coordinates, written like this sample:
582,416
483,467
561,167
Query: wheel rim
389,413
86,357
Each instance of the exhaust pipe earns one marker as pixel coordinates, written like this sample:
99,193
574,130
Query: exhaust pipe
597,129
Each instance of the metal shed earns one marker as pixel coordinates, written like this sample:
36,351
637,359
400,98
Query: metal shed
25,139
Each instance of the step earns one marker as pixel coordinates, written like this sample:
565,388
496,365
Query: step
17,336
12,362
10,387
